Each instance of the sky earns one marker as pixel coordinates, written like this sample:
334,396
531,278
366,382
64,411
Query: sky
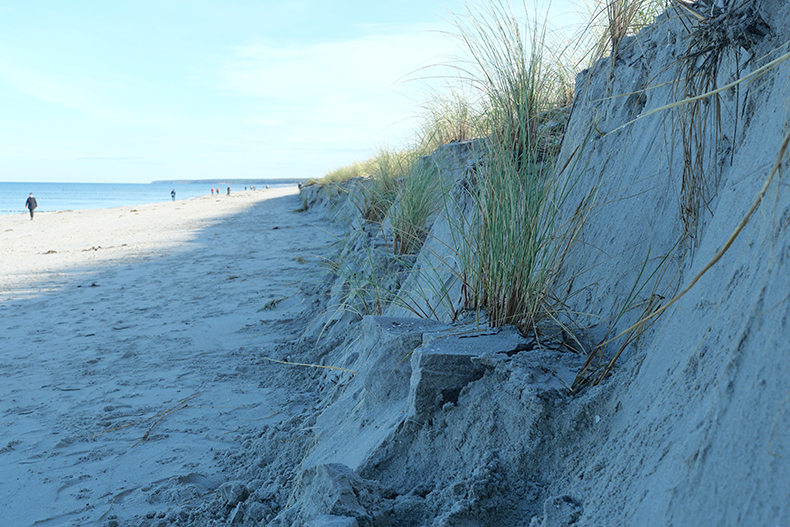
97,91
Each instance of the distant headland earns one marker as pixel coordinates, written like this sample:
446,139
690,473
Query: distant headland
292,181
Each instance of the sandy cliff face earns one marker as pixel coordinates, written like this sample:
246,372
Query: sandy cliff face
696,430
447,423
692,427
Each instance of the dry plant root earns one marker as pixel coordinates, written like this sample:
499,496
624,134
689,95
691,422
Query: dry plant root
162,416
179,406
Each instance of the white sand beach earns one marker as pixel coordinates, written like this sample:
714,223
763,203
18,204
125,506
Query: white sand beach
131,343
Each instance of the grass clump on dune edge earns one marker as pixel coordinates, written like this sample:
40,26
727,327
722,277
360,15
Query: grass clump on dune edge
401,186
512,68
395,201
511,90
379,191
339,175
511,250
513,246
450,118
418,197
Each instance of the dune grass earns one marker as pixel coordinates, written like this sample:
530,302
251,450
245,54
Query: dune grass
513,245
401,186
618,19
342,174
512,250
450,117
509,90
716,36
387,168
418,198
395,203
514,70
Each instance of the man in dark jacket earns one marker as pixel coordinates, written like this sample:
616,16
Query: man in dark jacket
31,204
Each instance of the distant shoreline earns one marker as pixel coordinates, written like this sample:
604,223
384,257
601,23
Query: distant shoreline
292,181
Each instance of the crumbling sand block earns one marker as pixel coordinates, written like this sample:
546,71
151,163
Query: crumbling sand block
333,488
373,402
445,363
385,344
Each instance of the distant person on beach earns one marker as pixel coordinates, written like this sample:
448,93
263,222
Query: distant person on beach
173,194
212,191
228,191
31,204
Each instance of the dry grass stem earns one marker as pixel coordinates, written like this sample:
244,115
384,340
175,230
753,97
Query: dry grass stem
309,365
582,379
162,414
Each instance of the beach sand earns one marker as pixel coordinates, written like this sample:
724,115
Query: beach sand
131,345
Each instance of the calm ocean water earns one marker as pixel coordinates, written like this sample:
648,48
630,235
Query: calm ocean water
52,197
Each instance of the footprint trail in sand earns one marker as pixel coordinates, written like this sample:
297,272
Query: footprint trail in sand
130,344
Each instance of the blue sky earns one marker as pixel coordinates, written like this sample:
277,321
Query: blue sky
97,91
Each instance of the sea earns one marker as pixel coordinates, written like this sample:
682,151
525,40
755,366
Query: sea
55,197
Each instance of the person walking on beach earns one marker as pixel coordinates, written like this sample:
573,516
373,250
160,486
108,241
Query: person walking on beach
31,204
173,194
228,191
